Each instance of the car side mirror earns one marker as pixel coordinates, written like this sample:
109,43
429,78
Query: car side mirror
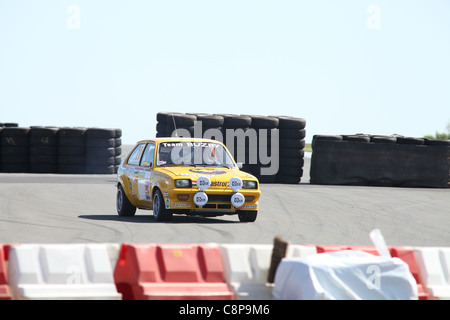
240,165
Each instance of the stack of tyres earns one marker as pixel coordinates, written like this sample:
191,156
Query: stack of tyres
237,136
43,150
71,150
101,151
117,149
1,128
261,155
269,147
372,160
14,149
291,149
9,125
168,122
208,126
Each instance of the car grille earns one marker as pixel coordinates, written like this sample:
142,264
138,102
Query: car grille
219,198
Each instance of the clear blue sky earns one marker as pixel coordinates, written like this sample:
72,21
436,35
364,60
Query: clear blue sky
344,67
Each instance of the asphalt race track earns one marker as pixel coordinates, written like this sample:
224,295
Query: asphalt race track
51,208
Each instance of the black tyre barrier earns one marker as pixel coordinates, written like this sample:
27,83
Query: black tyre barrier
380,161
101,150
43,150
72,150
269,147
60,150
14,149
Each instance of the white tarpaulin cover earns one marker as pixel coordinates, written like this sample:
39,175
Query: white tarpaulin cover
344,275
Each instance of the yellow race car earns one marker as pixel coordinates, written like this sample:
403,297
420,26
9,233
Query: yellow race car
185,176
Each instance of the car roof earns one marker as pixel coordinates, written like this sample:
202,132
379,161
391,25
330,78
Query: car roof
169,139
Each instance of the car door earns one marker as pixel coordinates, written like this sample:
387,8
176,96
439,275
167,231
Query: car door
132,169
143,175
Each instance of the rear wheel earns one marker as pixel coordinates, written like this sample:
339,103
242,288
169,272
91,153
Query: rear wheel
247,216
124,206
159,210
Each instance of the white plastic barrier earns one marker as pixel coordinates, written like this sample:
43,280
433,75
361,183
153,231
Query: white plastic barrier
434,271
297,251
344,275
63,271
247,265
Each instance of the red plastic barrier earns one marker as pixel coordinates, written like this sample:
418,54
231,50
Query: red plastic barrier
404,253
4,288
407,255
332,248
171,271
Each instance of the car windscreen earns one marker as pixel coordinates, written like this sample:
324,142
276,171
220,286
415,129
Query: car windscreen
189,153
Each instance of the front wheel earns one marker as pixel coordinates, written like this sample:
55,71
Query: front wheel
247,216
124,206
159,210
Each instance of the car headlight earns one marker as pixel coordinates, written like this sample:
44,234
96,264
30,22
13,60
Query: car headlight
249,184
183,183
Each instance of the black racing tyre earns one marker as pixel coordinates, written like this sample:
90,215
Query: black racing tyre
210,120
100,152
100,161
264,121
356,138
43,137
11,125
383,139
292,162
123,205
288,179
164,116
437,142
410,141
286,122
74,159
100,169
100,133
71,132
267,179
170,130
247,216
71,150
292,143
159,209
40,167
290,171
100,143
325,138
291,153
292,133
14,136
235,121
180,120
71,169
